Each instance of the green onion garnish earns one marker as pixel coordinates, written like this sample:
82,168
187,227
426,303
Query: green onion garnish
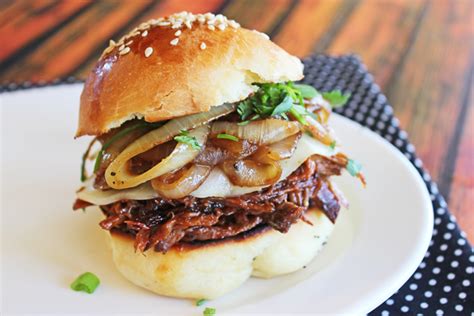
298,116
353,167
184,138
228,137
336,98
86,282
209,311
200,302
307,91
333,144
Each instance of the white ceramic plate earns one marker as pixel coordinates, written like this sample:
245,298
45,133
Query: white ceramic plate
376,246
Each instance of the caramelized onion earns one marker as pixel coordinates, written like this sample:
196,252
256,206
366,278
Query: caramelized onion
250,173
118,176
261,132
277,151
178,184
318,131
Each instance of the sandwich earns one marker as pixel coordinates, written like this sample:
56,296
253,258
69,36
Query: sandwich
208,161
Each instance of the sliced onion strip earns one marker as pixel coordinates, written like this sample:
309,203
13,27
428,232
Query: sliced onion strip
261,132
119,177
250,173
181,183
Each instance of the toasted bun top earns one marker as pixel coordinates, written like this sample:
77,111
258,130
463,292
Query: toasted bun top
176,66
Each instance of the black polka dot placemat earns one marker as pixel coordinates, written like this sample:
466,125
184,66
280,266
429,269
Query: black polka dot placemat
442,284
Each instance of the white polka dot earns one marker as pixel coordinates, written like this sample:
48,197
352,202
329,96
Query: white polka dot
439,259
450,226
461,242
428,294
410,148
437,221
443,247
427,254
432,282
471,258
409,298
423,265
435,232
439,312
469,270
418,163
404,309
452,218
402,135
385,313
466,282
447,288
440,211
451,276
454,264
462,295
443,300
436,270
424,305
457,252
413,286
389,302
447,236
417,275
463,234
458,308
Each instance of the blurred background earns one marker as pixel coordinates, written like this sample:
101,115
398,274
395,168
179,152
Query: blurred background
420,52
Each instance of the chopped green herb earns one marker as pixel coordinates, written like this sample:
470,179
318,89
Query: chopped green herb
333,145
283,107
277,100
209,311
83,167
243,123
200,302
184,138
228,137
353,167
336,98
86,282
307,91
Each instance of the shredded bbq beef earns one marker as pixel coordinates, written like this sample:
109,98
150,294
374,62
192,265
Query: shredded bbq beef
160,223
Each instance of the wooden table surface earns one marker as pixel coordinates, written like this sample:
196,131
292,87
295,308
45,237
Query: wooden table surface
420,52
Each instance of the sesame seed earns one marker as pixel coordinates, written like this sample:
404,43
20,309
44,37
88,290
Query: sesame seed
148,51
126,50
174,42
129,43
175,21
203,45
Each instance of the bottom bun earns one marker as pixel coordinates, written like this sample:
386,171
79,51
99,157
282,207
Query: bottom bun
213,268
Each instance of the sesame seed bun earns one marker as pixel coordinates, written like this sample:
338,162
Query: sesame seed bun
212,269
177,66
